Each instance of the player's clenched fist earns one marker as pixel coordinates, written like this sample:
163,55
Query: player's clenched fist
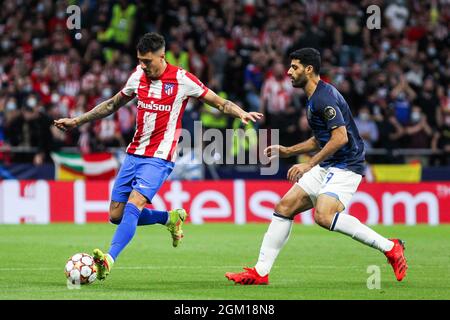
65,124
297,171
276,151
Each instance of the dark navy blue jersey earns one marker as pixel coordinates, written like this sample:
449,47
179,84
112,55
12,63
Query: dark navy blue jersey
327,110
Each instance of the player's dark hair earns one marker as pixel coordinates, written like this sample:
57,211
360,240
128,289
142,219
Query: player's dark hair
307,57
150,42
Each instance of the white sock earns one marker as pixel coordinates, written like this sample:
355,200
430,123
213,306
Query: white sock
351,226
274,239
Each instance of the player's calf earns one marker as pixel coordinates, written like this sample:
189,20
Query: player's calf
116,212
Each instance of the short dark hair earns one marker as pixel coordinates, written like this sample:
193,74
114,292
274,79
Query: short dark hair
150,42
307,57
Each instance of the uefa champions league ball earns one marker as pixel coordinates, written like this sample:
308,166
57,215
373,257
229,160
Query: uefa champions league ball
80,269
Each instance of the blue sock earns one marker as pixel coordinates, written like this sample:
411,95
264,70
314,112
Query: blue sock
126,230
149,216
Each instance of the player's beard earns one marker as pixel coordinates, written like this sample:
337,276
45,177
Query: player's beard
300,82
148,73
152,74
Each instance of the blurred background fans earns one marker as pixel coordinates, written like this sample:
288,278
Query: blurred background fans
395,79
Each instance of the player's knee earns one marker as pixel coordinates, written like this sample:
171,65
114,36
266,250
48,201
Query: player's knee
323,218
116,212
283,209
137,199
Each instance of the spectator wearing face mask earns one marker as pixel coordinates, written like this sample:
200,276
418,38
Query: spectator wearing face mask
428,100
402,95
367,127
108,134
107,130
30,127
418,132
390,133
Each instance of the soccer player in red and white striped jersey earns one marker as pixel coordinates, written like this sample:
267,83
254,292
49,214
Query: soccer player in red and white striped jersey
161,102
163,91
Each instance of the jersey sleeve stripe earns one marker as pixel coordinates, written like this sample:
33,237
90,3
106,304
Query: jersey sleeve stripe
204,93
132,84
197,88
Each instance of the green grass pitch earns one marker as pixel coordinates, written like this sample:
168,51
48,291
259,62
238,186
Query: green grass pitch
315,263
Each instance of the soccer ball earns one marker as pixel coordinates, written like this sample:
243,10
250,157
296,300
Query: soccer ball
81,269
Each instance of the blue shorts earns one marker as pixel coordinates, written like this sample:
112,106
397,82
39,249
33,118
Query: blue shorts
143,174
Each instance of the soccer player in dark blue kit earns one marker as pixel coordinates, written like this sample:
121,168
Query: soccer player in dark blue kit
327,182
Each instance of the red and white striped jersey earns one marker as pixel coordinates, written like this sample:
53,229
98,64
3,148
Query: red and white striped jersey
160,108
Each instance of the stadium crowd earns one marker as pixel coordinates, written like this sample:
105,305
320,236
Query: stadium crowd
395,79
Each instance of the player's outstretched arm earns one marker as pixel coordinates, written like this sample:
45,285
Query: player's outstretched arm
102,110
276,150
309,145
230,108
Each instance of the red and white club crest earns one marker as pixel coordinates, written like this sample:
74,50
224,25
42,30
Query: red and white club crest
168,88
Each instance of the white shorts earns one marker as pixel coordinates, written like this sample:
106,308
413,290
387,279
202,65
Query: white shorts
339,183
